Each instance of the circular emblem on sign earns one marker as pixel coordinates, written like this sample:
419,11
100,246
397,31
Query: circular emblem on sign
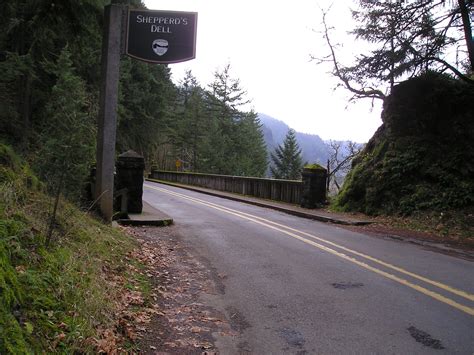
160,46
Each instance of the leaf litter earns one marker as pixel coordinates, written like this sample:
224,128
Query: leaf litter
169,318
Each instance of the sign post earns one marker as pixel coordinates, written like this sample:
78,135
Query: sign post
107,122
162,37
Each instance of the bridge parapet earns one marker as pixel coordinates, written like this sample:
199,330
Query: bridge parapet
290,191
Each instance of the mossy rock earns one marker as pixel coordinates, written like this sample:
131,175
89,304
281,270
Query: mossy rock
422,157
13,170
313,167
9,159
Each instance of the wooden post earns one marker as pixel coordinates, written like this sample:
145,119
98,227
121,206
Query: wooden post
107,121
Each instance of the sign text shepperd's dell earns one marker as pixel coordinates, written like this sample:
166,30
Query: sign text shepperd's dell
161,36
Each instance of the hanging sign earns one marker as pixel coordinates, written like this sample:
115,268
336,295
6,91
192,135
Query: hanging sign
161,37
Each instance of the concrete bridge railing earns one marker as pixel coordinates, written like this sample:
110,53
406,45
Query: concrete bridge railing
278,190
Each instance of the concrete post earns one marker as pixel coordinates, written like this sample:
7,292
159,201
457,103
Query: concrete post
130,167
314,186
107,121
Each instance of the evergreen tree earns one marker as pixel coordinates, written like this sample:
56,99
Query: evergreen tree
189,135
33,32
287,162
407,38
236,145
229,95
67,139
146,94
250,146
225,97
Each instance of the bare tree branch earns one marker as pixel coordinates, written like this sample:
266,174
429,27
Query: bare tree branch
453,69
340,158
361,92
410,38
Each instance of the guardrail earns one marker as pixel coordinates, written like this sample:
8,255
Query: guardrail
278,190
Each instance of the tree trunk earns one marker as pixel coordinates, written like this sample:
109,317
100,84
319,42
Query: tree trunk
467,31
52,221
328,181
25,109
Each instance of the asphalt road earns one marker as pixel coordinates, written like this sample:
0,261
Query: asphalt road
295,286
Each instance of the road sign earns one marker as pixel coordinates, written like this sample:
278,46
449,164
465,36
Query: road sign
161,37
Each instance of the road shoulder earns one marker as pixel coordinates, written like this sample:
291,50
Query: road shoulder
184,322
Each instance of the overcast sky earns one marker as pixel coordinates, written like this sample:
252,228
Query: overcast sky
268,44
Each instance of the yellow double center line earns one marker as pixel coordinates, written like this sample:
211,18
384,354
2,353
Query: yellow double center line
292,233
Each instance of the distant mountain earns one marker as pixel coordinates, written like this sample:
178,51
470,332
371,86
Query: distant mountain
313,148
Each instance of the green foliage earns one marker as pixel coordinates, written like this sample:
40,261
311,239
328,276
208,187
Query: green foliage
314,167
190,132
14,67
395,28
67,139
49,89
249,146
11,334
406,38
211,134
15,178
32,33
237,137
421,159
144,113
51,300
286,160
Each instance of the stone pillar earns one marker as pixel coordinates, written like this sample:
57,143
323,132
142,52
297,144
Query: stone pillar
130,167
314,186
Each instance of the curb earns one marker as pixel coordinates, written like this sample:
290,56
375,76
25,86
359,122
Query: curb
150,216
319,218
137,223
440,247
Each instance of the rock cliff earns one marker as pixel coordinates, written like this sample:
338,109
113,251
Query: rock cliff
422,157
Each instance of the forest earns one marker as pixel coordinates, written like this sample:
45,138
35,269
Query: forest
49,90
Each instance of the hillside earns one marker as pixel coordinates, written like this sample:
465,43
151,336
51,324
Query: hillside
422,158
313,148
63,294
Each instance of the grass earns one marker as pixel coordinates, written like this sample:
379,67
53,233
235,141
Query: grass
56,298
450,225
